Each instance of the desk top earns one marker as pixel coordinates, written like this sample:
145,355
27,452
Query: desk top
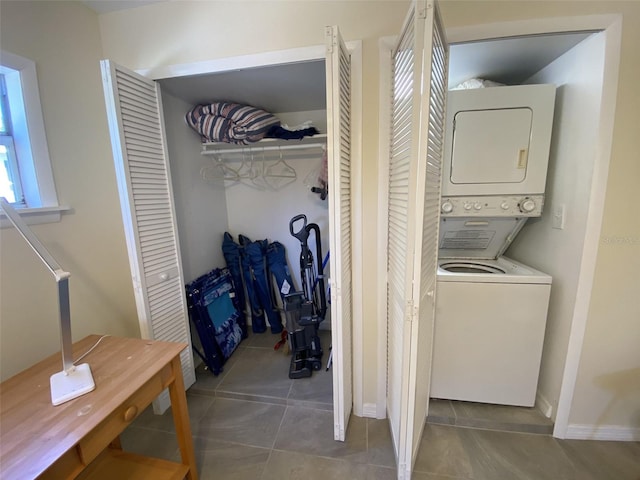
34,433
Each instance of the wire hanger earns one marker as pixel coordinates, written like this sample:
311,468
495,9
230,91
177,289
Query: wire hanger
258,172
280,173
219,171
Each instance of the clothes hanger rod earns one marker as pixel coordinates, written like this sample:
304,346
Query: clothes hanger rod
256,148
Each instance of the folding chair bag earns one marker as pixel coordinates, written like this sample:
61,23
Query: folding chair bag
212,311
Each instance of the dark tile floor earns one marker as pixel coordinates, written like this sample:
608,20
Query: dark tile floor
252,422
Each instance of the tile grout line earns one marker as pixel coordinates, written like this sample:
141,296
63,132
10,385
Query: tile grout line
274,442
366,438
284,414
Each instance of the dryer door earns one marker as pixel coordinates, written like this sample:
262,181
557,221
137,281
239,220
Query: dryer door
503,138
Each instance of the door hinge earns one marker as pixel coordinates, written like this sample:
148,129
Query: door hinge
331,39
411,312
423,8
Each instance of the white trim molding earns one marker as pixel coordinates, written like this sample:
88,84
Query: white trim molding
544,405
385,45
370,410
36,172
603,432
36,216
279,57
357,261
612,27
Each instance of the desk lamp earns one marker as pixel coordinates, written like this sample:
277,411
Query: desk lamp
74,380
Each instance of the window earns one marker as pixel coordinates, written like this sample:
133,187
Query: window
26,178
10,184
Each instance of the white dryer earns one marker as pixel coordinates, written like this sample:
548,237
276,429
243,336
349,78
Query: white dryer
497,140
491,314
497,144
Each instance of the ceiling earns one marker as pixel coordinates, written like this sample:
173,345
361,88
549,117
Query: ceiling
509,61
106,6
293,87
301,86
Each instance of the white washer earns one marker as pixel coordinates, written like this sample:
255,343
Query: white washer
489,331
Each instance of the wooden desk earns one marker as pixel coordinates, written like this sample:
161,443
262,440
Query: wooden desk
80,438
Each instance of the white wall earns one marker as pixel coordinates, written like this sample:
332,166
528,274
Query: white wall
201,208
578,77
66,40
206,208
63,40
260,213
265,213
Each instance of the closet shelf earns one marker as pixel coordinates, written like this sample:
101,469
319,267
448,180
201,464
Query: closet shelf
266,145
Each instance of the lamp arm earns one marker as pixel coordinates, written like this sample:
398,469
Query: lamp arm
61,276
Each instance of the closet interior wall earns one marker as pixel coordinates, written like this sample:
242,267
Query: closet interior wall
205,209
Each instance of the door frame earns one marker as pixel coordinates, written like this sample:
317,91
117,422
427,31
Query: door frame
299,55
611,25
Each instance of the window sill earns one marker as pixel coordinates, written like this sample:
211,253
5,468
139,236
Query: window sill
35,216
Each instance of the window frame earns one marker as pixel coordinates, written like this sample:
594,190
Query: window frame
31,149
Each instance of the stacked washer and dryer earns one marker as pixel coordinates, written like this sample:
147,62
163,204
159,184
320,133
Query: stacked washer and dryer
491,311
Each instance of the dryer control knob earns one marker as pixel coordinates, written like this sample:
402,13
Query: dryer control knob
447,207
477,206
467,206
527,205
504,205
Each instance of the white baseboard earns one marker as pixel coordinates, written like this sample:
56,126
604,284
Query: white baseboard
369,410
603,432
543,405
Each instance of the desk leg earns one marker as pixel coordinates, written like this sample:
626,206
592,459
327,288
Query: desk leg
116,444
181,419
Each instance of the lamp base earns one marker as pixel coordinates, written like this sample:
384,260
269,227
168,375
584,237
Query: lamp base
66,386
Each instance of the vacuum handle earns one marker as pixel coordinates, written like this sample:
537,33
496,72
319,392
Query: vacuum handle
303,233
320,270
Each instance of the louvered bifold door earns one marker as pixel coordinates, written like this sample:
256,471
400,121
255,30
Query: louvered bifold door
338,75
144,184
419,88
432,117
401,190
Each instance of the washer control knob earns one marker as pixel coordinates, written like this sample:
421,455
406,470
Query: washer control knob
504,205
477,206
467,206
527,205
447,207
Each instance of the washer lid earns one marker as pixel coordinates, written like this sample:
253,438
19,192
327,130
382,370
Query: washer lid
500,270
477,238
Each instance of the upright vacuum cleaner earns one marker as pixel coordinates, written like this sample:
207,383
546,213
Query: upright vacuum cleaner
305,310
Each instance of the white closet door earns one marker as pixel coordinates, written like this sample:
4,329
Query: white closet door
418,96
338,71
401,192
136,126
432,120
